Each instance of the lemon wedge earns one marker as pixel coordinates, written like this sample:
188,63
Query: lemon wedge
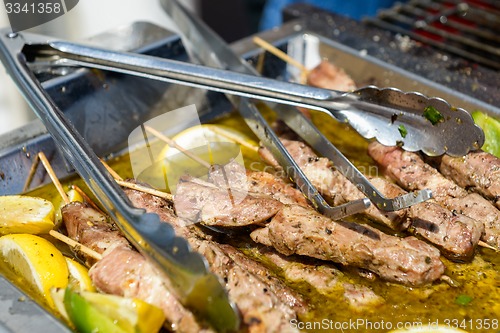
39,264
78,276
25,214
94,312
79,280
202,135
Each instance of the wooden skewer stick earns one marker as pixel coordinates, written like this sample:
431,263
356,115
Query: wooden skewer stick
450,281
87,199
31,174
174,144
488,246
234,138
152,191
119,180
53,177
111,171
75,245
280,54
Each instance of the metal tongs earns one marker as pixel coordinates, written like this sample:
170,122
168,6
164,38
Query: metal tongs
407,119
374,112
364,109
198,288
206,47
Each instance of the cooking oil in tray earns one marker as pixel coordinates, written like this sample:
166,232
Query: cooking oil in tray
437,303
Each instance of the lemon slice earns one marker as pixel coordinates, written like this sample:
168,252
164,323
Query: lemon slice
79,276
94,312
491,127
25,214
79,280
37,261
202,135
213,144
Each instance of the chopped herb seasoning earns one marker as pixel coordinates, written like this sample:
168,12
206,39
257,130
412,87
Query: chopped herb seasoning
403,131
433,115
394,117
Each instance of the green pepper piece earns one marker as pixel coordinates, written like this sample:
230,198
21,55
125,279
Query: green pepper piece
85,317
403,131
491,128
433,115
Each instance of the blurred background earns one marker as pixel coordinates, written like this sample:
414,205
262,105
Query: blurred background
232,19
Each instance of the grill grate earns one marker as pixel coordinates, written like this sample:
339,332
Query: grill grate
468,28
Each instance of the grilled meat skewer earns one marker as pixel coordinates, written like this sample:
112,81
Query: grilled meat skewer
266,304
477,171
303,231
300,230
199,201
323,278
411,172
455,235
326,75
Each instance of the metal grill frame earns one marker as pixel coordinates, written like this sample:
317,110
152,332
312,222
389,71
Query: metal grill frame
467,28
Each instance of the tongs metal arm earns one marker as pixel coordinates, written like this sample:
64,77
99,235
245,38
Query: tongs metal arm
209,48
245,85
201,77
197,76
197,287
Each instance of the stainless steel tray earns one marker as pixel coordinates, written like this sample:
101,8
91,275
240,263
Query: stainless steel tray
106,107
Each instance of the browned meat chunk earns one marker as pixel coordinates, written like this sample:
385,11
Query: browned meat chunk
328,76
198,201
478,171
266,304
90,228
411,172
455,235
258,182
335,186
298,230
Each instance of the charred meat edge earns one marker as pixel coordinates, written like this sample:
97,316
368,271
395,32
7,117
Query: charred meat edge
454,234
266,304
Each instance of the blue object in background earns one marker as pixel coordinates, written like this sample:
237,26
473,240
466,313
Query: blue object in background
356,9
